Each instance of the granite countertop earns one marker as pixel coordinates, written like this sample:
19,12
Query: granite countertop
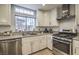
10,37
20,36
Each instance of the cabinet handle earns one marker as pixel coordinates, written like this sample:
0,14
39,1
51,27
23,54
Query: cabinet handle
75,50
31,46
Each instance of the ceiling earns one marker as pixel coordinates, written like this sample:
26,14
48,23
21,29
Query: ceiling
39,6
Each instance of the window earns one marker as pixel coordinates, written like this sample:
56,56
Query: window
24,11
30,23
25,19
20,23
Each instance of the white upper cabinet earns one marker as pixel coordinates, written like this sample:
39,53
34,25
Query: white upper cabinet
5,14
53,17
77,13
59,12
72,9
43,18
47,18
40,17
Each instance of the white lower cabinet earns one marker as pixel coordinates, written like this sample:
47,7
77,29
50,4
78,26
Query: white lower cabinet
77,51
38,43
75,47
42,42
26,46
49,41
35,44
31,44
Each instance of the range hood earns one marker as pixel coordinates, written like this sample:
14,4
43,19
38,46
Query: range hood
66,12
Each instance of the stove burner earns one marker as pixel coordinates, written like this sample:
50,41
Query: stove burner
68,36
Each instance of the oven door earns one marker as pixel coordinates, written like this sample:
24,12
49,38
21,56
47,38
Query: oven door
61,45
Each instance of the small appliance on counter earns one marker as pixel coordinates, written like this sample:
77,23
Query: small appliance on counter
46,30
50,30
6,33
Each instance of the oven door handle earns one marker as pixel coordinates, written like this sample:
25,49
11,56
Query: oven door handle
61,41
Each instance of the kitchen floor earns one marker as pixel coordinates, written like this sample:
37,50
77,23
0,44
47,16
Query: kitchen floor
44,52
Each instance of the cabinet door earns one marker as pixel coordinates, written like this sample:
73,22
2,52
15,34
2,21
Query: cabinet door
19,46
77,13
72,9
40,18
49,42
35,45
77,51
26,46
46,18
5,14
42,42
11,47
59,12
53,17
2,48
75,47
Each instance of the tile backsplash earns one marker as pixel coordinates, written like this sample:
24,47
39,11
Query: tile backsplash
68,24
53,28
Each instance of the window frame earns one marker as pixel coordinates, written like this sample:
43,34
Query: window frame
24,8
24,15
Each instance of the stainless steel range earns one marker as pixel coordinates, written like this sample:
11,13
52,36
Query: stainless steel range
62,43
